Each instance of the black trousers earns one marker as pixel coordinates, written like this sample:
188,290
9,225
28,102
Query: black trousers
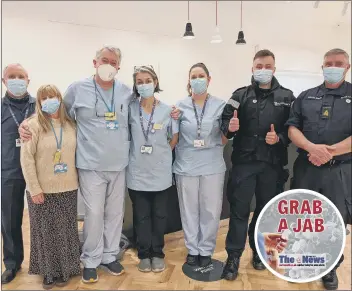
257,178
12,204
149,221
332,181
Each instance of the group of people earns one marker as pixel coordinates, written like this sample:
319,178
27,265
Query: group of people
102,137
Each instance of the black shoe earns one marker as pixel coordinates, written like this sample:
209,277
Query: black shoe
60,282
330,281
114,268
257,262
230,271
89,275
48,284
9,275
204,261
192,260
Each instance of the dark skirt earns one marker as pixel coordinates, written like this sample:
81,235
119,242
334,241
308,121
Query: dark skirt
54,236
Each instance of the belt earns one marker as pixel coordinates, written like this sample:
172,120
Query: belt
334,162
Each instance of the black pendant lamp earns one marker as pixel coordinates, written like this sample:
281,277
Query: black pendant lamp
240,39
189,32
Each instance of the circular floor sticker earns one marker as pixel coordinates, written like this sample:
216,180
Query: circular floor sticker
210,273
300,236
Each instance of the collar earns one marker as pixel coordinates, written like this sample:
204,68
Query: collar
340,91
274,84
6,99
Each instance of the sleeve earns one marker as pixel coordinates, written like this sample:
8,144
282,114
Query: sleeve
172,127
232,105
28,163
283,136
69,100
295,118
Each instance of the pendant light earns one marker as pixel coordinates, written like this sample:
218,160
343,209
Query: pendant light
240,39
216,38
188,32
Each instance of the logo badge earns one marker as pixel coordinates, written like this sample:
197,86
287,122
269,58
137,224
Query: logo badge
348,100
255,101
300,236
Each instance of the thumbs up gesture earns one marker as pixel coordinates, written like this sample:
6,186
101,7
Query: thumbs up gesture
234,123
271,137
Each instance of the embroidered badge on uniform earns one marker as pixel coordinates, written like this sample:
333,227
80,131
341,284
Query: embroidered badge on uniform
234,103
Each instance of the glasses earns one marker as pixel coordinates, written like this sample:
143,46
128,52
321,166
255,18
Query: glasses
140,68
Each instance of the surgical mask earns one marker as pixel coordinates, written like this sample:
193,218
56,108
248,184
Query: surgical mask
51,105
199,85
333,75
17,87
106,72
146,90
263,76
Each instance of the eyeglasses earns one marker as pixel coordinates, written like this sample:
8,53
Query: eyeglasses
140,68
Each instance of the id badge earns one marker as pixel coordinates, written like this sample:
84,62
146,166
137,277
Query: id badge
325,112
110,116
112,125
198,143
146,149
60,168
18,142
157,126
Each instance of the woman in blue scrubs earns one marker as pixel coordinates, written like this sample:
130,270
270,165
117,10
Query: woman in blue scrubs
199,166
149,173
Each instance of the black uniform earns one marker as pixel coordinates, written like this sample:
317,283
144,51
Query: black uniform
257,166
12,181
324,117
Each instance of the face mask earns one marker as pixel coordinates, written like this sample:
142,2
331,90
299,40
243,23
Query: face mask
51,105
199,85
17,87
263,76
333,75
146,90
106,72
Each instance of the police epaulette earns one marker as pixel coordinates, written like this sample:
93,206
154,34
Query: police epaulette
239,89
282,87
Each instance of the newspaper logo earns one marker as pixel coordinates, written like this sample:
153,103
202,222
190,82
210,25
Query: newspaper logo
300,261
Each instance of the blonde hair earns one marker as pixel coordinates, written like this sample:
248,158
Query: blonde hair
49,91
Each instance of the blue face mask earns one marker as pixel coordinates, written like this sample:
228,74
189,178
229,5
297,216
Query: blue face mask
199,85
50,105
17,87
146,90
263,76
333,75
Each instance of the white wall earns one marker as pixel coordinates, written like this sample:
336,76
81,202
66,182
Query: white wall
61,53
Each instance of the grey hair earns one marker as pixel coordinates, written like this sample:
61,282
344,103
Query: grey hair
337,51
14,65
112,49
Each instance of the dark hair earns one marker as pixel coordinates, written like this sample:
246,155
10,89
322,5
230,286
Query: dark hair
151,72
197,65
263,53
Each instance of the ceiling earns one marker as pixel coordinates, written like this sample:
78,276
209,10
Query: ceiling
294,23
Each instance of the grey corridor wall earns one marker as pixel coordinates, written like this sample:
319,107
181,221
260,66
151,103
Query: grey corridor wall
174,223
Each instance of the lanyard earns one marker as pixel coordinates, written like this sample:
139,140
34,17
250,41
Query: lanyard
58,143
112,108
14,117
199,121
146,132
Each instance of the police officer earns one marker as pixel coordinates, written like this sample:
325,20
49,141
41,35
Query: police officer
320,126
16,105
255,117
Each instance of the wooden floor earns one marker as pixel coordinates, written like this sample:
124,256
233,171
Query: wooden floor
173,278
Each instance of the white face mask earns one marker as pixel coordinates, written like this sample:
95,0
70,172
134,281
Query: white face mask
106,72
